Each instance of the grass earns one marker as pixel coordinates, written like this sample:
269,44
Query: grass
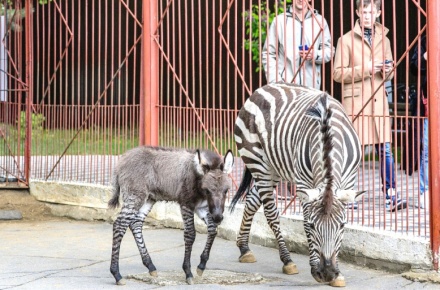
94,141
102,141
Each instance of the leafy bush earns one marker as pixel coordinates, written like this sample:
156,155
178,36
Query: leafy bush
37,124
257,21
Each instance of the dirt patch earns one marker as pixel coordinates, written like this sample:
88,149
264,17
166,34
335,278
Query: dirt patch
21,200
219,277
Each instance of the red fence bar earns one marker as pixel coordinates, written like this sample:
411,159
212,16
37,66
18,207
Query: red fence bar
29,93
433,39
150,78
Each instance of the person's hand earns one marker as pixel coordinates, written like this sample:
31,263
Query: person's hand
306,54
388,67
374,67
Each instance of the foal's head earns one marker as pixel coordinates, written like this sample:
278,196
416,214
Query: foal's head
215,182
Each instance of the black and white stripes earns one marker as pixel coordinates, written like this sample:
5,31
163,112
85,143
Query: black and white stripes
303,136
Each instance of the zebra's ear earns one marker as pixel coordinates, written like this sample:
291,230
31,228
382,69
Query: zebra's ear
308,195
229,162
348,195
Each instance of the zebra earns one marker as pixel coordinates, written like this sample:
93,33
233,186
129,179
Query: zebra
196,179
303,136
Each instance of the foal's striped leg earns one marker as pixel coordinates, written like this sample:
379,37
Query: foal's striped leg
212,233
119,228
189,234
136,229
133,218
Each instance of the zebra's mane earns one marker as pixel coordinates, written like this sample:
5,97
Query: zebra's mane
322,112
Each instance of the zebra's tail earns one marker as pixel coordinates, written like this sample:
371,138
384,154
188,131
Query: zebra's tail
114,201
242,189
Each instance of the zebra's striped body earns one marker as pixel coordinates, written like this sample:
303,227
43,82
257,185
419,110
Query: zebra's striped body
302,136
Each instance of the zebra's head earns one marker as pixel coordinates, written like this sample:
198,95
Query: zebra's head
324,221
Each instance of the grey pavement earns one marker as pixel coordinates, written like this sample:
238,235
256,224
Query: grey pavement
68,254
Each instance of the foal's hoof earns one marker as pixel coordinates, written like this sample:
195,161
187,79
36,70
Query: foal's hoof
199,271
153,273
338,282
121,282
248,257
190,281
290,269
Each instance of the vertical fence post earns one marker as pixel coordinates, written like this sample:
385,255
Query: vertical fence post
433,39
29,92
150,76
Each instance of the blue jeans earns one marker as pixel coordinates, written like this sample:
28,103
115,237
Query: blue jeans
387,167
424,169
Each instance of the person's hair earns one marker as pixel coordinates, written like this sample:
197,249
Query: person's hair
365,3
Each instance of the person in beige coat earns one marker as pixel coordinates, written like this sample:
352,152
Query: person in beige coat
363,61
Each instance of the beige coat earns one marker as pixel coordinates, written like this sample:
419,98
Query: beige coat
373,123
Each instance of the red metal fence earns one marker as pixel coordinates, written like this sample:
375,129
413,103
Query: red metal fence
83,81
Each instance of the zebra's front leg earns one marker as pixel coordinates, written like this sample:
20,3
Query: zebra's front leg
273,218
189,234
212,233
253,203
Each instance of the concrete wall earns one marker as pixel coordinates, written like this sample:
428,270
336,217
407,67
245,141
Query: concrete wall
375,249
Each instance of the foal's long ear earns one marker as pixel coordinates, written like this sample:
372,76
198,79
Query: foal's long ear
229,162
198,162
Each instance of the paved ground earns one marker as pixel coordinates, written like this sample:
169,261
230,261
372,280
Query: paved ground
67,254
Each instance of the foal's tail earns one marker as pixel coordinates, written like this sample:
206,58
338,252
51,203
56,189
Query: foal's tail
243,189
114,201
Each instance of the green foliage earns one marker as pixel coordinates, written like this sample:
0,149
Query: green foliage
257,21
37,124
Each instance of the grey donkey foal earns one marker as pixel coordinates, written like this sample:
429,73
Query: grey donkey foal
197,180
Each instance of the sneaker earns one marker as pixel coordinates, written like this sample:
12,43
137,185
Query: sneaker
352,205
421,204
395,202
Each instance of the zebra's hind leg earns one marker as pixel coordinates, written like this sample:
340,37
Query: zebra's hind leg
253,203
119,228
273,218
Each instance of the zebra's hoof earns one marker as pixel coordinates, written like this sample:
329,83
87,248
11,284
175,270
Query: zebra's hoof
338,282
248,257
290,269
121,282
199,271
153,273
190,281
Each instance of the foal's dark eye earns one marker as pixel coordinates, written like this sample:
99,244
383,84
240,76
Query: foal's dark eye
205,168
225,192
311,226
342,225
